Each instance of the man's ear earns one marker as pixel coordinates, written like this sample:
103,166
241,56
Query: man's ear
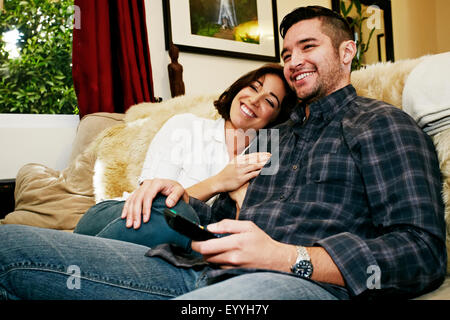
347,51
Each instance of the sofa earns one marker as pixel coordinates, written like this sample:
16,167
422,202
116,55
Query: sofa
109,148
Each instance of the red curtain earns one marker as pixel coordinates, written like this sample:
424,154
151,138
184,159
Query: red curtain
111,58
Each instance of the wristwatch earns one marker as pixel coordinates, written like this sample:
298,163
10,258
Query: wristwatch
302,266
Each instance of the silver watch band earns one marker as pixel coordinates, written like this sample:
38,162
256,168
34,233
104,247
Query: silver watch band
302,254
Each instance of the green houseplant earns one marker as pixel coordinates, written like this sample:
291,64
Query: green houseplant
39,80
356,23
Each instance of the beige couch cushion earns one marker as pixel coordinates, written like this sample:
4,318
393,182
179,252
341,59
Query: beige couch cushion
441,293
54,199
51,199
89,127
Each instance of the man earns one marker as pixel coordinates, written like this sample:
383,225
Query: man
353,211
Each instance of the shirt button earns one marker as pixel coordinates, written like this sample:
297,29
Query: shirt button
294,167
281,197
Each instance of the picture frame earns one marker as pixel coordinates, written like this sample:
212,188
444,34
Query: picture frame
207,27
384,41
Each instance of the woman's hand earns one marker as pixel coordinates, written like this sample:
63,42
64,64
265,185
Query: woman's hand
238,195
240,170
247,247
140,201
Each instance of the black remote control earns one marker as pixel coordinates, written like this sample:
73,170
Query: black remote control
189,228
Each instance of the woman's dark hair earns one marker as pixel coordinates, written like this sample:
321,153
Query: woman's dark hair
223,104
333,24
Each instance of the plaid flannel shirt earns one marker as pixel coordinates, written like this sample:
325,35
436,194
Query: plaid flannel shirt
360,179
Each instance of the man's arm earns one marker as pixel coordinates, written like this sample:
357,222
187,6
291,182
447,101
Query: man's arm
251,247
400,172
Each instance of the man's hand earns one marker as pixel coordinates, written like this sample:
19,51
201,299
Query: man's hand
250,247
140,201
247,247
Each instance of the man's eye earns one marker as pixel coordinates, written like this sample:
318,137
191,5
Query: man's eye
286,58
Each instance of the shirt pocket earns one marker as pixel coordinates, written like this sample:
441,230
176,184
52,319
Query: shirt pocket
334,167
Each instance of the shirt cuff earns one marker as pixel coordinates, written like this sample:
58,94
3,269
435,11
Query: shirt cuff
353,258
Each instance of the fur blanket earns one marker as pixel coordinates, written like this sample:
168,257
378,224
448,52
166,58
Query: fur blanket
121,149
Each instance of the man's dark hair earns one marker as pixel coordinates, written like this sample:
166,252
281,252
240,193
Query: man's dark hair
223,104
333,24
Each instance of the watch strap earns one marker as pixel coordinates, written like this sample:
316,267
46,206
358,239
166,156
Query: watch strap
302,254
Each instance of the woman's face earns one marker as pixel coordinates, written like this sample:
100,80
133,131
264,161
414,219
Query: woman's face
258,104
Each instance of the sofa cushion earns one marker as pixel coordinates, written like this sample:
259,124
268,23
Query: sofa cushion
89,127
441,293
54,199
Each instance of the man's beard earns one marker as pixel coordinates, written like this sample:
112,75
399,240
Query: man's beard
323,86
315,94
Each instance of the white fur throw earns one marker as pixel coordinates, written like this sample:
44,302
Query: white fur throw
121,149
384,81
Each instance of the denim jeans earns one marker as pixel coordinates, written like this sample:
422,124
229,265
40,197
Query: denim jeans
104,220
38,263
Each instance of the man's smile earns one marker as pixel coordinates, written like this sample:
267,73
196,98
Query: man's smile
303,76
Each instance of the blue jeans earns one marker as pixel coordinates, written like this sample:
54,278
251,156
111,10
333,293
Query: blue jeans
38,263
104,220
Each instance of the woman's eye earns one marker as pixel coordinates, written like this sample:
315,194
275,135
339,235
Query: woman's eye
272,104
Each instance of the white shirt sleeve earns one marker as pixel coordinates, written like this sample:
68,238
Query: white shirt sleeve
164,158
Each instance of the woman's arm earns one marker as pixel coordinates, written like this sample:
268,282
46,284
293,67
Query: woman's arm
164,160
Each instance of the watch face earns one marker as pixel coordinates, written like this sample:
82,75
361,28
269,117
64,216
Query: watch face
303,268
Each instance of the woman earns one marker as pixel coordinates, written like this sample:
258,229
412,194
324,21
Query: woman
203,155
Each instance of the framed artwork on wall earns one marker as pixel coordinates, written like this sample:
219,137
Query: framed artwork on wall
246,29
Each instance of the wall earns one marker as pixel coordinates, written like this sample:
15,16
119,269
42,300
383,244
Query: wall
44,139
202,73
420,27
443,25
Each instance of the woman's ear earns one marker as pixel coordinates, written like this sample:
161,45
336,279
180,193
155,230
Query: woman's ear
347,51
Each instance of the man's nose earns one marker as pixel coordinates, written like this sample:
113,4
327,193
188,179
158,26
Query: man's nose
297,59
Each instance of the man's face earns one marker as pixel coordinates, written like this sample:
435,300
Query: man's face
312,65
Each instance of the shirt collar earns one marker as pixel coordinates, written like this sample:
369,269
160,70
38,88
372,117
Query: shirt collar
327,107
